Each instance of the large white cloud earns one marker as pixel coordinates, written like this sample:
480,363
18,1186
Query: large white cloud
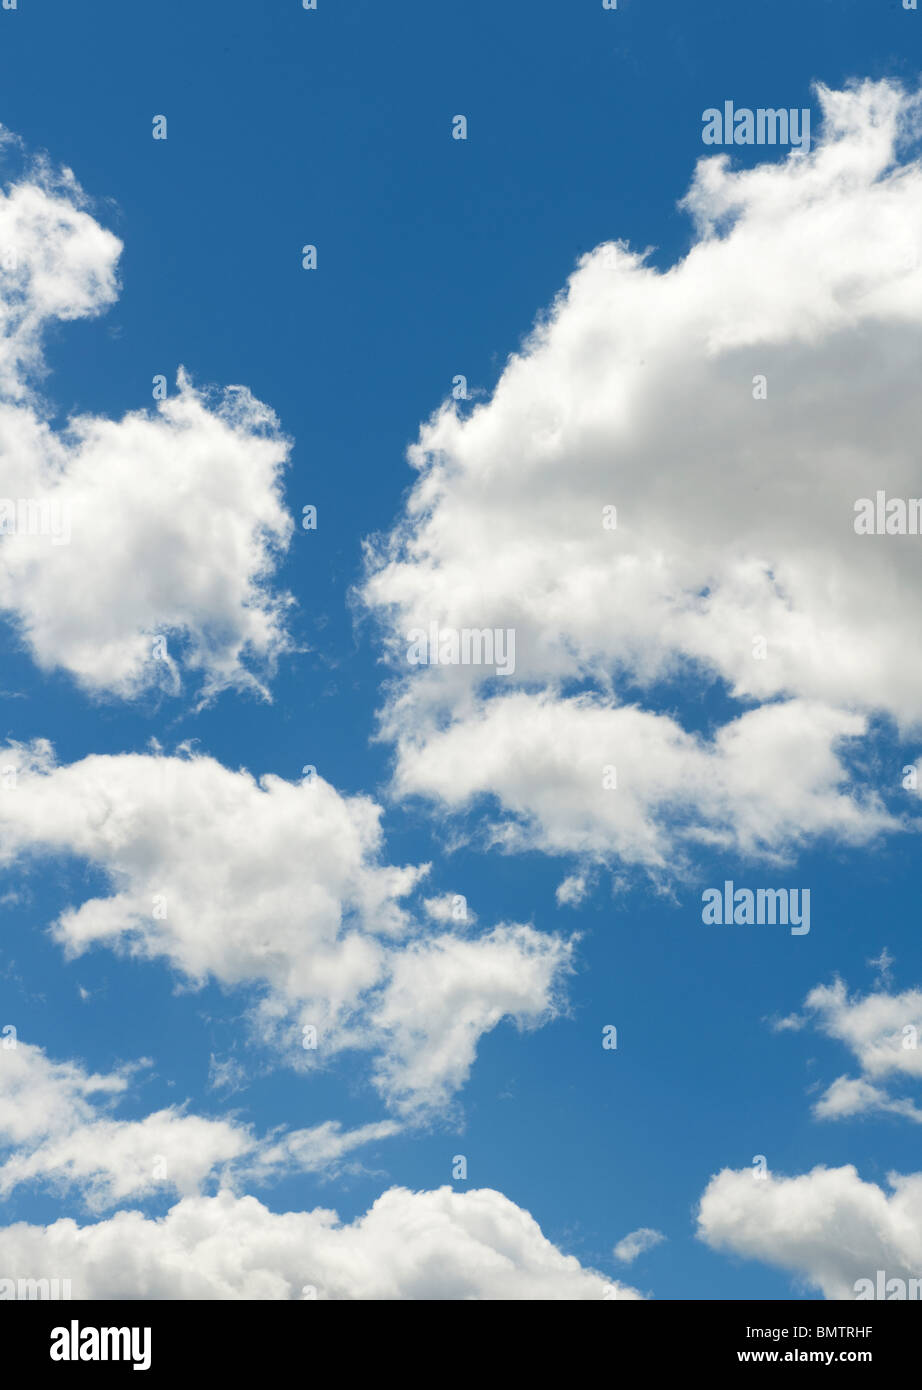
281,886
409,1245
578,776
827,1227
734,560
167,523
57,1129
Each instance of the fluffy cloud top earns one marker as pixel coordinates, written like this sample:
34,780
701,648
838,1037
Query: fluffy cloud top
827,1227
409,1245
56,1128
167,523
733,557
281,886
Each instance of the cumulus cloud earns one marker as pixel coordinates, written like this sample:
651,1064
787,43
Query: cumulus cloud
57,263
57,1131
630,505
39,1097
827,1227
446,992
881,1030
280,886
165,524
577,776
409,1245
850,1096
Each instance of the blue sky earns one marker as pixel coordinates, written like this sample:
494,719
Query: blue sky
435,256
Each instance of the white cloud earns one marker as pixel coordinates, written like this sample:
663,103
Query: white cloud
637,1243
166,523
226,1074
827,1227
175,525
281,886
572,890
549,763
57,1130
409,1245
881,1029
56,262
850,1096
53,1134
792,1024
735,523
448,907
320,1148
444,994
882,1032
108,1161
39,1097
